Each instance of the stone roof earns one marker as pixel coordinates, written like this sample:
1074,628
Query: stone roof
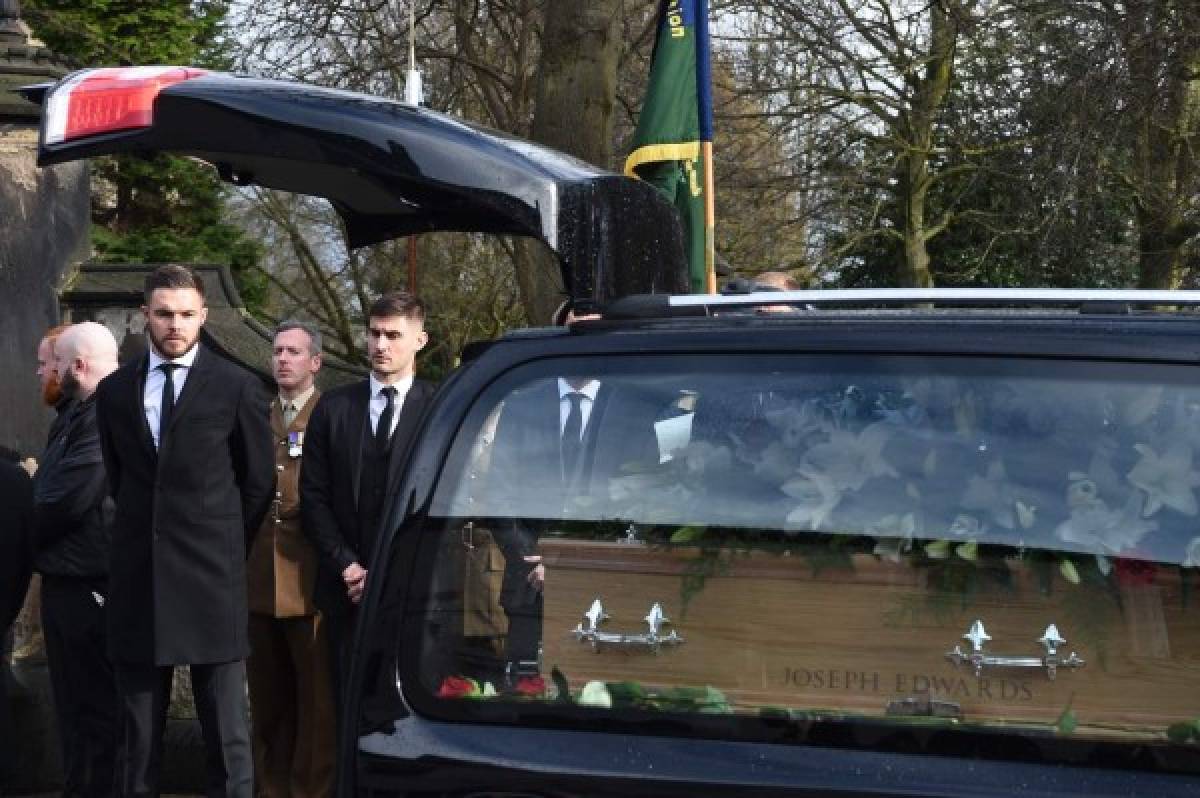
23,61
230,328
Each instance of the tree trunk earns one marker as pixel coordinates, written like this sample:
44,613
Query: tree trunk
916,135
1162,42
577,86
1160,256
914,184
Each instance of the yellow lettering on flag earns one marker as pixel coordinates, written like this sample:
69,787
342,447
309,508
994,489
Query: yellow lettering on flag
675,20
693,176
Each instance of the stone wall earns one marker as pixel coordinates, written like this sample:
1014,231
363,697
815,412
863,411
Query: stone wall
43,234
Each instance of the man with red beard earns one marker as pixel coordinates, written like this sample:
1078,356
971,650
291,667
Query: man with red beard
49,379
72,513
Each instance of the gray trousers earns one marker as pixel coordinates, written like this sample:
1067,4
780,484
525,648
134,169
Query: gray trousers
219,692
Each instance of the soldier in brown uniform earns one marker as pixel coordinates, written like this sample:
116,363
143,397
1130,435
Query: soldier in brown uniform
290,694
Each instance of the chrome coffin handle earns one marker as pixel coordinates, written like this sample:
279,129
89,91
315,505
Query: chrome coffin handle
1051,640
588,630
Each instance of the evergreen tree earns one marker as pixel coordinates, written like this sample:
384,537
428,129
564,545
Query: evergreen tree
162,208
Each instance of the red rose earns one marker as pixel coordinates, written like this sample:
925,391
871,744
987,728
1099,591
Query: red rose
531,686
1132,571
458,687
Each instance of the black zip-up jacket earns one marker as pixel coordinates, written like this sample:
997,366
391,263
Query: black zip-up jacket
62,412
72,510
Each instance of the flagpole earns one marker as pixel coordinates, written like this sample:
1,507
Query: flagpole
413,95
705,111
710,219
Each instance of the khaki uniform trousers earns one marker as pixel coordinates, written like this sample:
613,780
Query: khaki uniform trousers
291,704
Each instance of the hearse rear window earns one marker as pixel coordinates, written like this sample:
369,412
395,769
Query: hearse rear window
891,552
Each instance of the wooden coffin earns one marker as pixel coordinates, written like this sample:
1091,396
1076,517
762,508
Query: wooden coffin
768,630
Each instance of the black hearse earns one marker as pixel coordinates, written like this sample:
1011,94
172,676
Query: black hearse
811,543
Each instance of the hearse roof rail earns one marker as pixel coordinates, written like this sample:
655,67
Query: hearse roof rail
1100,301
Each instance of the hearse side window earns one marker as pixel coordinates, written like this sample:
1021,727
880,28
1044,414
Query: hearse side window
874,551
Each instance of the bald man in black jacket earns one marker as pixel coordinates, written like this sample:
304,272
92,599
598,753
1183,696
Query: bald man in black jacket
72,513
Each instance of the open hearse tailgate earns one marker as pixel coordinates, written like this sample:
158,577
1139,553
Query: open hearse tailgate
390,169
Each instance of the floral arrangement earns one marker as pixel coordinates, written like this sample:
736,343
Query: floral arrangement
603,695
466,687
1088,477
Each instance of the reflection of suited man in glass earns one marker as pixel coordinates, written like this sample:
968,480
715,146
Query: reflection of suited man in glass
558,442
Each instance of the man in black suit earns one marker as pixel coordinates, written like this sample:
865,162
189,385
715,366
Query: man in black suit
558,443
357,439
188,453
16,524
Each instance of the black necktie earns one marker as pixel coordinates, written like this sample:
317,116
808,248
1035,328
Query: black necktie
383,432
572,444
167,404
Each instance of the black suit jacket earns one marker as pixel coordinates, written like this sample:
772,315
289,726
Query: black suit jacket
16,530
526,474
330,477
526,470
185,513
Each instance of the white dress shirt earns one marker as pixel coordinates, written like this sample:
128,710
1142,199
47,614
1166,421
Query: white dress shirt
152,395
589,390
379,401
298,404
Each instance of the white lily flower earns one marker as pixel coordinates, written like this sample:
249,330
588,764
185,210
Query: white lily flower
1167,479
848,459
894,536
967,526
1192,558
796,423
818,497
1142,407
1094,526
595,694
992,494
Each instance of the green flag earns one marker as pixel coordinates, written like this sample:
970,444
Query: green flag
676,117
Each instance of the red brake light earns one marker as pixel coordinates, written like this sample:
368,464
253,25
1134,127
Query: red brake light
107,100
